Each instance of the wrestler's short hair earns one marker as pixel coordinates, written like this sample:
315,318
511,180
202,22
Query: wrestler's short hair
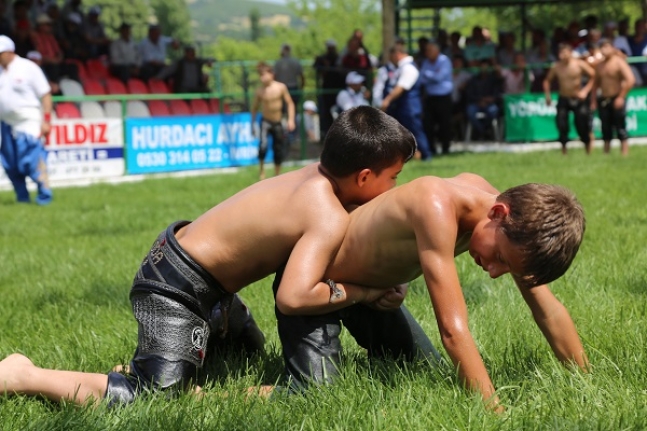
547,222
561,46
365,138
263,67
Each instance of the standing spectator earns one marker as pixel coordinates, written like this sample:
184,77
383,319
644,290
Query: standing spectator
569,72
125,60
288,70
420,55
454,49
5,23
310,120
404,101
270,97
384,83
514,78
73,43
356,58
25,113
46,44
436,78
460,78
482,93
619,42
614,79
95,34
355,94
330,80
638,44
153,52
187,73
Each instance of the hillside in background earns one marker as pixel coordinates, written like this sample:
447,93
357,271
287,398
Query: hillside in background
213,18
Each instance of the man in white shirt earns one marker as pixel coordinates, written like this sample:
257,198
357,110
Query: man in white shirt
354,94
25,114
125,60
153,51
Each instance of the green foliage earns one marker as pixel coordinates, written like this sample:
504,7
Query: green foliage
114,12
174,19
255,24
67,270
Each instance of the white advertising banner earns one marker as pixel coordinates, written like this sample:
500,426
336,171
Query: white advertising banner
79,149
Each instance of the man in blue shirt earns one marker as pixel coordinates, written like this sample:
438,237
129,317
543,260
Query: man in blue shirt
437,81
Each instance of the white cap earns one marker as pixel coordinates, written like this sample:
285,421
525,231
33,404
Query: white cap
331,42
34,55
309,105
75,17
6,44
354,78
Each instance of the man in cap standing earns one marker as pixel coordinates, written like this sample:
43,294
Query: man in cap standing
25,114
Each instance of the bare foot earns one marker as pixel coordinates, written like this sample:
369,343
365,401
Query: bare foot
124,369
262,391
12,369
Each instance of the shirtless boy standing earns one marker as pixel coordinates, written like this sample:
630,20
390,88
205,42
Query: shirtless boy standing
532,231
614,79
185,289
569,72
270,96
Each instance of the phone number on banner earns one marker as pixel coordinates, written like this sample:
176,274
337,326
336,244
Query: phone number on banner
180,157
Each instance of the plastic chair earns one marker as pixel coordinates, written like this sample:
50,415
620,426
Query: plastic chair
112,109
214,104
96,69
92,110
199,107
67,110
93,87
137,86
80,66
158,108
137,108
115,86
157,86
179,107
494,124
70,87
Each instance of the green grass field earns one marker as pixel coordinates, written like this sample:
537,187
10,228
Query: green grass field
66,271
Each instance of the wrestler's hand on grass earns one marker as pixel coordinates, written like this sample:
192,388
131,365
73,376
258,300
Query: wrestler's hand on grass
391,299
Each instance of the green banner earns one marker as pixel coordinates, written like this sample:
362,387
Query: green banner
529,119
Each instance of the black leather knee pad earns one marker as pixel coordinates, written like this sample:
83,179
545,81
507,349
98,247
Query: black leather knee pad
121,389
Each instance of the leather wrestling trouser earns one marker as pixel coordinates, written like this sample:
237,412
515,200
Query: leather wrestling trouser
312,348
179,307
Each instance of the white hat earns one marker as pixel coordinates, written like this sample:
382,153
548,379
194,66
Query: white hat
331,42
75,17
354,78
6,44
309,105
34,55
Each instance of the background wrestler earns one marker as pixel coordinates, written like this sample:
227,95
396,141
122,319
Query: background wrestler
569,72
614,79
271,96
531,231
298,218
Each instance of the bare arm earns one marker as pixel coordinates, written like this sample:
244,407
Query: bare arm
556,324
628,79
394,94
546,84
46,102
291,110
590,72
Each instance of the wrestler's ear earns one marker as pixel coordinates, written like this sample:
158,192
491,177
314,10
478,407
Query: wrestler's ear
363,177
499,211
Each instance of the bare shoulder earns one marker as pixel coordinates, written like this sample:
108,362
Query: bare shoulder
474,180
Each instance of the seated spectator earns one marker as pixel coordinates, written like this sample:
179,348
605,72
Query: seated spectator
95,34
540,60
187,73
506,52
514,78
125,60
54,13
153,52
52,54
73,6
355,94
5,23
310,120
479,48
22,38
482,94
19,12
73,43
